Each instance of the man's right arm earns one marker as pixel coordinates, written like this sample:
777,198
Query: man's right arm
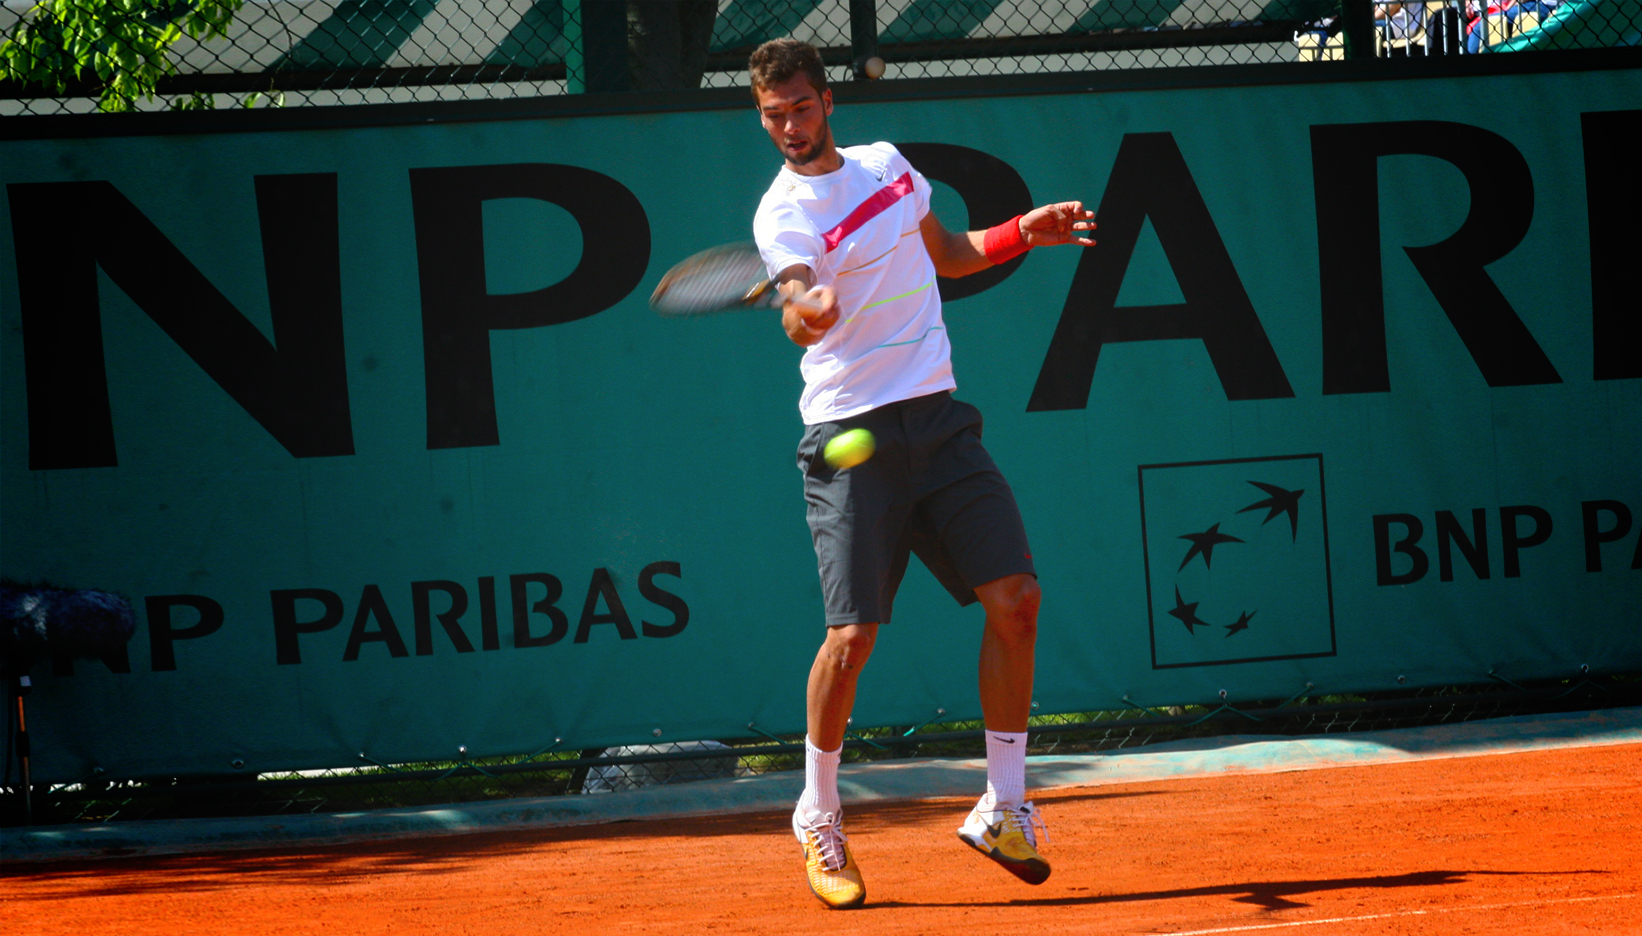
806,312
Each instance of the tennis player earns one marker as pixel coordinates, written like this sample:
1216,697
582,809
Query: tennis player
850,231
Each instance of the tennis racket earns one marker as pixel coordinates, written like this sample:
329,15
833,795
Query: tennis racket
721,279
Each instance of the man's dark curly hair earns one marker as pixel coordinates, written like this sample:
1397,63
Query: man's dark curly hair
778,60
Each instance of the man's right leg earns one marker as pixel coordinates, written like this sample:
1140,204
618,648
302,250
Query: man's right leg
829,700
856,517
818,820
831,694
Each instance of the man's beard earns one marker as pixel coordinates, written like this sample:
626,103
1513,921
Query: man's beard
815,150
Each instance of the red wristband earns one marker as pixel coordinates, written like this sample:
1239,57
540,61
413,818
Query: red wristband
1004,243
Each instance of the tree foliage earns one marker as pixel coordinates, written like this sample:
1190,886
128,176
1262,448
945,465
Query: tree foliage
122,47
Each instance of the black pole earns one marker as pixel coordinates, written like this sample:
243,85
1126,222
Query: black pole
1357,26
863,34
604,45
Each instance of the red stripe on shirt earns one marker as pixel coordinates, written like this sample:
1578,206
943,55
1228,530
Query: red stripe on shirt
869,209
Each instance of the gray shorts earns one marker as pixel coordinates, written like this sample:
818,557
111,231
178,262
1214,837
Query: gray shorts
930,489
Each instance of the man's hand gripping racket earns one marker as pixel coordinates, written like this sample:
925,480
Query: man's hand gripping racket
807,314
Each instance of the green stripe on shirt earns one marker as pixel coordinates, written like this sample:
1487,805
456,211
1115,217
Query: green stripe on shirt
890,299
901,296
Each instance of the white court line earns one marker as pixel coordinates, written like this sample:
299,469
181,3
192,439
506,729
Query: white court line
1382,916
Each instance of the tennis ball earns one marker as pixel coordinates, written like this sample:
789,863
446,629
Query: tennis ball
850,448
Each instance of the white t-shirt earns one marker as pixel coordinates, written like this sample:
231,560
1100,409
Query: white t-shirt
857,229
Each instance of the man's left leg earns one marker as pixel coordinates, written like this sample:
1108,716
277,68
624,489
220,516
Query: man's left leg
1004,826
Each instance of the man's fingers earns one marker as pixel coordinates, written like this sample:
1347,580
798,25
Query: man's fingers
807,306
1062,213
814,313
816,329
1059,223
817,309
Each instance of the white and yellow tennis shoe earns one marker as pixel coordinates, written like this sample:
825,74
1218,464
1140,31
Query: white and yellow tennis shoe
1009,836
828,864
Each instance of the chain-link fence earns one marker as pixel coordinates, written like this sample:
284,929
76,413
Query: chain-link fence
555,772
62,56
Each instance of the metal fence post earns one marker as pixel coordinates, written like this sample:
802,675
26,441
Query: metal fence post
863,34
597,57
1357,26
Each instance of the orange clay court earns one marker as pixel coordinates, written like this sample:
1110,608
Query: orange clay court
1544,842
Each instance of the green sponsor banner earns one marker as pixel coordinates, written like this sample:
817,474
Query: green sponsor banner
376,430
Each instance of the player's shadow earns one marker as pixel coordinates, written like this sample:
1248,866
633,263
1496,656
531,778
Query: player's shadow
1269,895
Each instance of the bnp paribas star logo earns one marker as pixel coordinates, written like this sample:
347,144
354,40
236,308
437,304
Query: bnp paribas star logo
1237,564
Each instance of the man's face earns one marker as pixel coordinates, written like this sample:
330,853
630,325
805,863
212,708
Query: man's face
796,118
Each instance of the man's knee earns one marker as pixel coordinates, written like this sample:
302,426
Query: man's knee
1012,606
849,645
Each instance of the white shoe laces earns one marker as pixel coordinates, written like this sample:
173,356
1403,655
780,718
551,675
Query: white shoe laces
1031,823
828,835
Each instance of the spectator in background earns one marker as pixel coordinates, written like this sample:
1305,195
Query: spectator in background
1399,21
1541,8
1476,31
1477,16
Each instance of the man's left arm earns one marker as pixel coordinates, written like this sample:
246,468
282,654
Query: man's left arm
964,252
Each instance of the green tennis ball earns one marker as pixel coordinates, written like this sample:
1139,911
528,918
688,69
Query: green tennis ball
850,448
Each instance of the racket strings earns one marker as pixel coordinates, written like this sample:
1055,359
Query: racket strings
713,280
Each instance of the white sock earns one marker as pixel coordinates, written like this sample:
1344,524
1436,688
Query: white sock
1006,767
820,781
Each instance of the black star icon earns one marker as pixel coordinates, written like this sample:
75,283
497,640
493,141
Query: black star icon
1281,501
1204,543
1241,624
1187,613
